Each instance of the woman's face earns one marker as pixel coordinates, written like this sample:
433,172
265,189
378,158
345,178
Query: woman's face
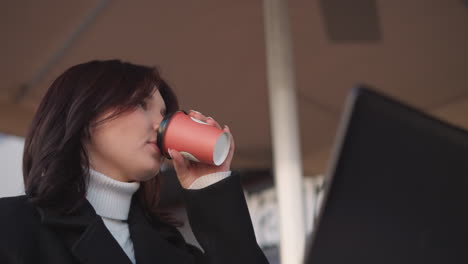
124,148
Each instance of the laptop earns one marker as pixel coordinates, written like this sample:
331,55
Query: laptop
396,190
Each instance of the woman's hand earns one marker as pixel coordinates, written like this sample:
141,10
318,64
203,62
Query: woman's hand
188,171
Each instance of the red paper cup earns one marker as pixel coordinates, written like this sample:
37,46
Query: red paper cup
194,139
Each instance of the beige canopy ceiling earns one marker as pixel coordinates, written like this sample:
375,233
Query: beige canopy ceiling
213,54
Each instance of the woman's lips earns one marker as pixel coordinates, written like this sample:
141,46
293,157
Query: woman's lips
155,146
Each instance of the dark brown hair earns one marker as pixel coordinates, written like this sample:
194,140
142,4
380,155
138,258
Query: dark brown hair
55,163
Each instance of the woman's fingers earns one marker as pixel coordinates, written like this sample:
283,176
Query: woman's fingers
197,115
201,117
213,122
183,169
180,165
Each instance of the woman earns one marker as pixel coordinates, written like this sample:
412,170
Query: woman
91,174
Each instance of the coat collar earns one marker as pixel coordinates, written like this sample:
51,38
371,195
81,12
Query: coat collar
90,241
82,217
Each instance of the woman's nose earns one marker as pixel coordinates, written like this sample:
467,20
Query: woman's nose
157,121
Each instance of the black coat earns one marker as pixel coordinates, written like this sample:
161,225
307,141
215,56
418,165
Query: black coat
218,216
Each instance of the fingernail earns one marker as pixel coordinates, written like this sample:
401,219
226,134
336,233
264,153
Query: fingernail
209,117
195,112
226,127
170,152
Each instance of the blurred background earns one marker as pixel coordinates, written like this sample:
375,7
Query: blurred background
213,53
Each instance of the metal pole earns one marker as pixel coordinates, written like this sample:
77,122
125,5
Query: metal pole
285,131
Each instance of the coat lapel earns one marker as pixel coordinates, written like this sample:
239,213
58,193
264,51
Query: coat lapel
85,235
151,242
97,245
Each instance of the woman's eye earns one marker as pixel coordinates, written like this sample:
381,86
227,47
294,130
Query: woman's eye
143,105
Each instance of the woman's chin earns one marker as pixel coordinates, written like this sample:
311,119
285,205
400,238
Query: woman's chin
149,173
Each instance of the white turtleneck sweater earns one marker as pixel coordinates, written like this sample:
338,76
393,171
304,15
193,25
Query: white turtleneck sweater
111,200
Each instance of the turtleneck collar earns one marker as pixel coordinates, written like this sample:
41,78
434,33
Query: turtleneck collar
110,198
